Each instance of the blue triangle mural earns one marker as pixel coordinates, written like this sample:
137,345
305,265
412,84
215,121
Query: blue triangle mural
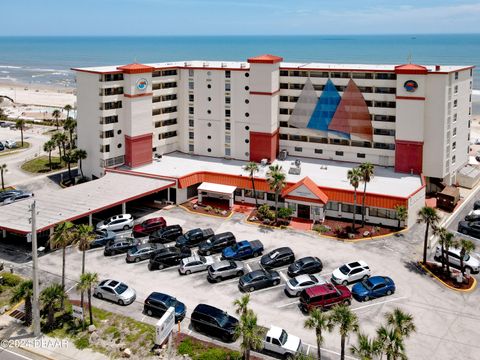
325,108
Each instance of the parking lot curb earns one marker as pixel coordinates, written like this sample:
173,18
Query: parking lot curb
474,285
36,353
367,238
210,215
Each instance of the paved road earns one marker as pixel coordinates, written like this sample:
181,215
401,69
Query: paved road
19,354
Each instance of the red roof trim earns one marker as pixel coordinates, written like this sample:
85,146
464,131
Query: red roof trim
138,95
310,186
336,69
264,93
422,98
265,59
412,69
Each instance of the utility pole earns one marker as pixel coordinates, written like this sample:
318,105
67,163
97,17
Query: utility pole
35,302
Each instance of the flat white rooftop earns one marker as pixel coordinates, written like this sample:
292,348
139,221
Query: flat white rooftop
74,202
245,65
324,173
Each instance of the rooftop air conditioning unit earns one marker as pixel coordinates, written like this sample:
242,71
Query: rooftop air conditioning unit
205,64
242,65
283,155
224,65
295,170
264,162
298,163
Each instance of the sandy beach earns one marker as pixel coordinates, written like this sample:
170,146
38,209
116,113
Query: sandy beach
35,102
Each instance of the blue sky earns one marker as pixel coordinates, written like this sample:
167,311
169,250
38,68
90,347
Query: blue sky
239,17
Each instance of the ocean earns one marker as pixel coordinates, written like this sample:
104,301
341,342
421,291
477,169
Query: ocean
47,60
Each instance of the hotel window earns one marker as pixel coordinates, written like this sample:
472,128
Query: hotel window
385,132
228,86
158,124
321,74
109,119
387,118
283,111
111,91
284,124
453,159
292,206
382,213
332,205
298,138
227,151
318,151
356,75
209,86
169,122
339,153
283,73
105,148
191,110
385,76
283,136
167,135
298,149
111,105
384,104
190,85
365,144
454,117
227,139
227,112
384,146
228,74
469,127
454,145
228,99
283,86
107,134
360,156
112,77
456,75
349,208
454,131
455,89
455,103
191,123
190,72
191,97
190,147
284,98
227,126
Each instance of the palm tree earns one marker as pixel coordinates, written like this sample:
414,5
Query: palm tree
402,214
52,299
70,125
401,322
354,176
241,305
347,322
56,114
87,281
80,155
466,247
441,232
252,168
61,238
20,124
319,321
366,170
24,291
83,236
49,146
56,138
250,333
3,170
276,180
391,343
69,157
446,240
68,108
366,348
430,218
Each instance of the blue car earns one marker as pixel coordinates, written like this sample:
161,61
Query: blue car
373,287
102,238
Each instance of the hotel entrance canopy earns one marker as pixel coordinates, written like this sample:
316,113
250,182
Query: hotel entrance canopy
218,191
78,201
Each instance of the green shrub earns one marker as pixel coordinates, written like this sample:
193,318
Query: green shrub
285,212
215,353
10,280
208,208
82,342
322,229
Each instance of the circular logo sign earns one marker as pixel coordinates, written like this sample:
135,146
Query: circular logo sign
142,84
410,85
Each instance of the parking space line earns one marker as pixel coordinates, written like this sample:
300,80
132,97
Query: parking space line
308,349
70,288
330,351
379,303
226,281
248,267
288,304
283,276
266,289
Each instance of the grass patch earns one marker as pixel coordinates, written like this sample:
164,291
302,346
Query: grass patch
6,152
200,351
40,165
7,287
82,342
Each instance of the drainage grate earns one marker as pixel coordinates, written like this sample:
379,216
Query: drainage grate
18,314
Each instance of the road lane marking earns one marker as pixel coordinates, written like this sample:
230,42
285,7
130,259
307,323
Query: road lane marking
379,303
288,304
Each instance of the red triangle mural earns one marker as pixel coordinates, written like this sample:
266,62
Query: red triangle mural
352,115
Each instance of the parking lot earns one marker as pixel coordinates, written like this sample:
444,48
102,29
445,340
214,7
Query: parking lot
447,321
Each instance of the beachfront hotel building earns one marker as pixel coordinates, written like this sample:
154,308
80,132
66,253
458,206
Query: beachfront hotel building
198,122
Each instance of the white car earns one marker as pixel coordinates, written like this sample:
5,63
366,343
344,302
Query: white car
195,264
471,263
351,272
10,144
116,223
295,286
115,291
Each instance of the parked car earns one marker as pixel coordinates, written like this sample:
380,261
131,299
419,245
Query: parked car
2,147
471,228
476,205
214,322
10,144
120,246
216,243
165,235
115,291
294,287
243,250
169,256
156,304
148,226
351,272
225,269
17,197
116,223
305,265
278,257
324,297
258,279
102,238
142,252
194,237
9,193
373,287
473,215
471,263
278,341
4,124
195,263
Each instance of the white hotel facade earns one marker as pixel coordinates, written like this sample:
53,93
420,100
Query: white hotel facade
207,118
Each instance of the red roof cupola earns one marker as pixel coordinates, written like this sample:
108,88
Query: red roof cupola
265,59
136,68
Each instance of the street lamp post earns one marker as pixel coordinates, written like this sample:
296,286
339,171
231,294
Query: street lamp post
35,302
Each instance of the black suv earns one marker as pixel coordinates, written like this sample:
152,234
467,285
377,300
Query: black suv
216,243
305,265
120,246
156,304
278,257
214,322
470,228
167,234
169,256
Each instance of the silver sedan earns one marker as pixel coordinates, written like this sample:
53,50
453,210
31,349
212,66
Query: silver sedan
294,287
115,291
194,264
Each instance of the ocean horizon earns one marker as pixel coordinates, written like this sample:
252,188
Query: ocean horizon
47,60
